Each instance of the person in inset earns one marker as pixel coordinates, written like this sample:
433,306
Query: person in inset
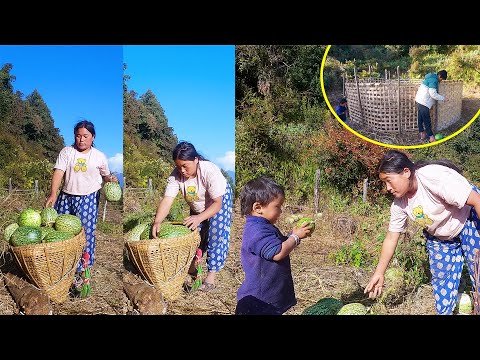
438,197
210,198
426,95
268,285
83,168
341,110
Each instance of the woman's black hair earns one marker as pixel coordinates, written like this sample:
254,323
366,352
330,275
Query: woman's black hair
186,151
395,161
262,190
84,124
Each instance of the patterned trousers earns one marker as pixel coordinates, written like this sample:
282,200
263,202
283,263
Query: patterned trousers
84,207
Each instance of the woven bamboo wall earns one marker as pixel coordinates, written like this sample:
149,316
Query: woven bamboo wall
375,103
450,111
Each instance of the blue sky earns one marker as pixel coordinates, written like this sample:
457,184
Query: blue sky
196,87
76,82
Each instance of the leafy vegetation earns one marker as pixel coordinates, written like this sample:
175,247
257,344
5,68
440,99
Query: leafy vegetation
285,130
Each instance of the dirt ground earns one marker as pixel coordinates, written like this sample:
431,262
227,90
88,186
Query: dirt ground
315,276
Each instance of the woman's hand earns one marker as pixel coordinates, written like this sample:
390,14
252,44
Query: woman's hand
50,201
374,286
110,178
192,221
155,228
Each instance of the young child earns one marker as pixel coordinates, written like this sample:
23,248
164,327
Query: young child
341,110
268,285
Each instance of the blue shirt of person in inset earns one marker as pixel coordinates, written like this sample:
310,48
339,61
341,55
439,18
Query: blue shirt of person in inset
341,110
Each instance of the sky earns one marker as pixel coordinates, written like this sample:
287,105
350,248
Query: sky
76,82
195,85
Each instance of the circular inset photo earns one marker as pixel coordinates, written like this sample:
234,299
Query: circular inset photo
402,96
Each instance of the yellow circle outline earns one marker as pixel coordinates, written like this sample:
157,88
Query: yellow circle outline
377,142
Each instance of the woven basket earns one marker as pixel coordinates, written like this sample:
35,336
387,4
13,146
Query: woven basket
164,262
51,266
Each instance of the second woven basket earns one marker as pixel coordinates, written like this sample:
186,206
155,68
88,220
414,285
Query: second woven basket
164,262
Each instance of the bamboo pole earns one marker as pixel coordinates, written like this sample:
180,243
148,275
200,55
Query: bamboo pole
358,94
316,190
398,102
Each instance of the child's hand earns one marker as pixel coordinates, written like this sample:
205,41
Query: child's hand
302,231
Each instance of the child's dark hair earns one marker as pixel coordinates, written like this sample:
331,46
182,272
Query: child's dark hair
395,161
342,100
186,151
262,190
443,74
84,124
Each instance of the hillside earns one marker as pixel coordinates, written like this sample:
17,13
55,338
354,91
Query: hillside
29,140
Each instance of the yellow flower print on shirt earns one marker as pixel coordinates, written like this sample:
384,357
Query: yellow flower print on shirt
420,217
191,194
80,165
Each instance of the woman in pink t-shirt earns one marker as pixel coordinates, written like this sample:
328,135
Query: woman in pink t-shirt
436,196
82,169
210,198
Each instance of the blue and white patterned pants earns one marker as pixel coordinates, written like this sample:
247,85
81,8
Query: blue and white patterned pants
446,262
215,233
86,208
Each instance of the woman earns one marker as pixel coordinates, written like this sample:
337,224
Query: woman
82,167
445,204
209,196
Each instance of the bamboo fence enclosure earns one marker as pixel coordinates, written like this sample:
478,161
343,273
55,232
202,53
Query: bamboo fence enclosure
388,105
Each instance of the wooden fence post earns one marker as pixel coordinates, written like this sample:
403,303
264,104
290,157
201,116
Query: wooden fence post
9,185
36,186
316,190
150,187
365,186
104,211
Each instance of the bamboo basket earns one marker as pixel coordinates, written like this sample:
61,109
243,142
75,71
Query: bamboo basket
164,263
51,266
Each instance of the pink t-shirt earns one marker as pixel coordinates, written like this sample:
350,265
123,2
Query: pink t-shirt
83,171
438,205
199,191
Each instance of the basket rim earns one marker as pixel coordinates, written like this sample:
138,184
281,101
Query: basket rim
162,240
48,245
